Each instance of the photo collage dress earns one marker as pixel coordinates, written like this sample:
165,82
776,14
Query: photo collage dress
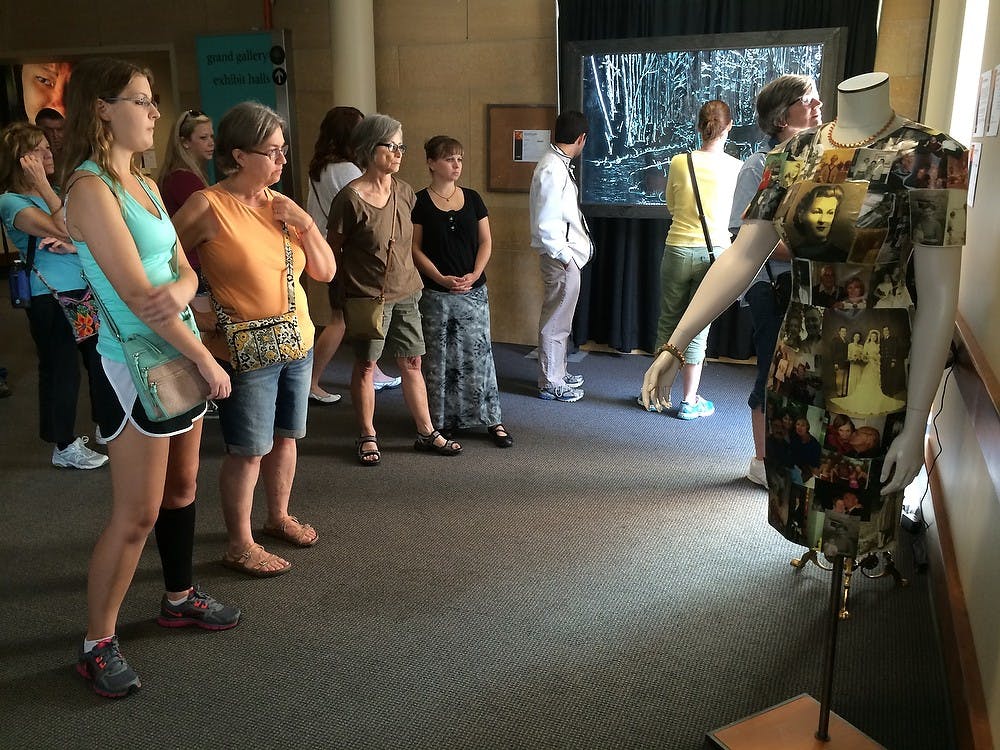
836,391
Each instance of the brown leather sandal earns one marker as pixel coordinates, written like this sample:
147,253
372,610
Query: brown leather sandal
427,443
253,560
293,531
368,457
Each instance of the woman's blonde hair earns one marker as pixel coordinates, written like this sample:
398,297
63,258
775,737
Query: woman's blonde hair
179,157
87,135
19,138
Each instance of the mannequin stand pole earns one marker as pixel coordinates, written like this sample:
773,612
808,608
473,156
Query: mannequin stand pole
789,725
826,691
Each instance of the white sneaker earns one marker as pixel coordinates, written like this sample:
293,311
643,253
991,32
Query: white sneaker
756,473
77,455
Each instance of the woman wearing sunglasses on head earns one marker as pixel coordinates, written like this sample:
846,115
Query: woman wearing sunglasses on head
191,147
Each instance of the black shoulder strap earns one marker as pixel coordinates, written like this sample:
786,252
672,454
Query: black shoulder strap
701,211
32,244
326,214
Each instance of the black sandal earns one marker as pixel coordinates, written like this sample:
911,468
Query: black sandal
501,437
365,456
426,443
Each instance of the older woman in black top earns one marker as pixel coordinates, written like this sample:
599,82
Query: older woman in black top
451,247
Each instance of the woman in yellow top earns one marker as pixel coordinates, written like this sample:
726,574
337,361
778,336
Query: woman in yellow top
685,256
239,228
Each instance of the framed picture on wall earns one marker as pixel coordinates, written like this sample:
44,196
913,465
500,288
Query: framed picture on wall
516,137
642,96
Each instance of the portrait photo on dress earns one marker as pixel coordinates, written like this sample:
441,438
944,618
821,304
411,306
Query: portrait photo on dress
854,280
834,165
836,498
794,434
877,352
840,535
889,287
954,231
876,209
872,165
819,219
928,215
855,437
850,472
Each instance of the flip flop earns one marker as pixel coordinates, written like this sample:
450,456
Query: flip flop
252,562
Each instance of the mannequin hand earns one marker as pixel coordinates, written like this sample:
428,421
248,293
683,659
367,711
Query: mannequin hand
904,459
658,380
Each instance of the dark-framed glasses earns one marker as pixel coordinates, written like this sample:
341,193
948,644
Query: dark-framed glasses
140,101
271,153
399,148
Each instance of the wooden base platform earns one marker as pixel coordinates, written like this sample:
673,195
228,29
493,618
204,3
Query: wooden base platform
791,726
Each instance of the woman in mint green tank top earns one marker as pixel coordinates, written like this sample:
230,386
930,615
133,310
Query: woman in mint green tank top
127,248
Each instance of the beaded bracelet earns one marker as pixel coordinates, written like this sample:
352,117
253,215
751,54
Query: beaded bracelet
674,351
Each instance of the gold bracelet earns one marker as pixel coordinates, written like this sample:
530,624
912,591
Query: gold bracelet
674,351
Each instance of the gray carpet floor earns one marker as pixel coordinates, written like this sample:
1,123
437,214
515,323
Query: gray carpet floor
609,582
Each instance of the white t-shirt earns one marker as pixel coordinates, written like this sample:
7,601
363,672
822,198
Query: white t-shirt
321,194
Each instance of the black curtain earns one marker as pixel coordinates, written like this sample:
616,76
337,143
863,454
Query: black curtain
620,298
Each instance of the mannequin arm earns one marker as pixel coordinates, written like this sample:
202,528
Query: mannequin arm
728,277
937,275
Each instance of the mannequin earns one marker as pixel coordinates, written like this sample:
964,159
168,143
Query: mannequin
865,121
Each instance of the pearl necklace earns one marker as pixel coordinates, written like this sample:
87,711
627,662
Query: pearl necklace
863,141
446,199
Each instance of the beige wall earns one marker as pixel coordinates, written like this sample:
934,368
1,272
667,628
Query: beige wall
439,64
969,496
902,41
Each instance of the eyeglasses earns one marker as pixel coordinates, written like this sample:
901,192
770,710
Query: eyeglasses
806,100
394,147
140,101
272,153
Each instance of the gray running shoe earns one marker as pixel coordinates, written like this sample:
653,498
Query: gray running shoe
560,393
106,668
198,609
77,455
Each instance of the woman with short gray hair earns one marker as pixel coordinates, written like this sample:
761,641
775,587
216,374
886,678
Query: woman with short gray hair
373,131
371,232
776,105
785,106
247,235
